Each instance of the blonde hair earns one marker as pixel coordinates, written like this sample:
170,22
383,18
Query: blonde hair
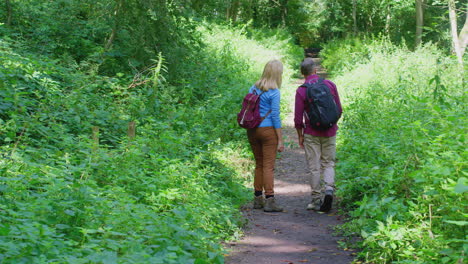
271,77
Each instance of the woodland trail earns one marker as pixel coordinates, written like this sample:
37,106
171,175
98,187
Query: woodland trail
296,235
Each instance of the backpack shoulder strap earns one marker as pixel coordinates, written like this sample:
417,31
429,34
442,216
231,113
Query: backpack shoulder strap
255,91
306,84
263,118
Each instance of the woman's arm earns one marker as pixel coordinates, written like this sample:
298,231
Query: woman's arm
275,118
279,134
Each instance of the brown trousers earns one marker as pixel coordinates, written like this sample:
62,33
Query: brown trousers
264,143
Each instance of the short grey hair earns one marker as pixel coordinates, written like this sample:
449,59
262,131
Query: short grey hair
307,66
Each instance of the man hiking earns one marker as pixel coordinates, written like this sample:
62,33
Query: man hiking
317,109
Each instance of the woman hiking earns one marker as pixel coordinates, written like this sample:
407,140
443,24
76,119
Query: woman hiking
266,139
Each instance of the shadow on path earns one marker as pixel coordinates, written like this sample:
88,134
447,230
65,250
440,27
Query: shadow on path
296,235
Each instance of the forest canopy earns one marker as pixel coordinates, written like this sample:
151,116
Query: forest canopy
135,31
118,140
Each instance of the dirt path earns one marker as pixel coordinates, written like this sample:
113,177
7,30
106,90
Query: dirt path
296,235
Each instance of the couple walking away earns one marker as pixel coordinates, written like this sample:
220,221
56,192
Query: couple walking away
318,140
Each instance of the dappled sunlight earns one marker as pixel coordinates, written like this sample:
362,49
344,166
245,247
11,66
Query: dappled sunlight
287,188
296,235
269,244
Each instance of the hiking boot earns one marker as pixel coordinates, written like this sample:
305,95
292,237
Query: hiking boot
271,206
327,201
314,204
259,202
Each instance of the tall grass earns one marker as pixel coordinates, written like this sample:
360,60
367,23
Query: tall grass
402,154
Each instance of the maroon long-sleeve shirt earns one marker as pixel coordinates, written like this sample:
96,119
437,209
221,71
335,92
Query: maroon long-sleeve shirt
300,118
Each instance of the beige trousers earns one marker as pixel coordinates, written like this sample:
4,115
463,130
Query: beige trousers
320,155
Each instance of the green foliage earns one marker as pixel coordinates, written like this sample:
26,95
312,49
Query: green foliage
342,55
114,36
402,171
170,195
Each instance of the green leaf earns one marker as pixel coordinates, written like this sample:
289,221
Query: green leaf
459,223
461,186
69,212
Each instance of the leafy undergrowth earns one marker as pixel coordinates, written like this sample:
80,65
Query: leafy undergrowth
170,195
402,154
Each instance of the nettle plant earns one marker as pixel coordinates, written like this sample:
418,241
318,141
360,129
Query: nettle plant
402,156
75,187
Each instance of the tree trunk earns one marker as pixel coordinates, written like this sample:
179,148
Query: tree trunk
95,137
284,13
9,12
115,27
254,12
419,22
454,31
228,11
234,10
354,18
388,20
111,38
464,36
198,5
131,131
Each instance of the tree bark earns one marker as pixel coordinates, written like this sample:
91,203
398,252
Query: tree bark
115,27
95,137
131,132
454,31
354,17
9,12
419,22
254,12
234,10
388,20
464,36
228,11
284,13
198,5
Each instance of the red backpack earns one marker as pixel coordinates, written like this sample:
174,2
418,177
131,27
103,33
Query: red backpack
249,116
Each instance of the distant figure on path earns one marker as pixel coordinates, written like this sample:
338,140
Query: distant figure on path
267,139
319,143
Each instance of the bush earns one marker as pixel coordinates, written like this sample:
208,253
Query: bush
402,155
170,195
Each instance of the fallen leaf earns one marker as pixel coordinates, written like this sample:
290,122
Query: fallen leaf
312,250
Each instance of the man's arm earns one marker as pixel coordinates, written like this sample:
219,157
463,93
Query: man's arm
299,118
300,136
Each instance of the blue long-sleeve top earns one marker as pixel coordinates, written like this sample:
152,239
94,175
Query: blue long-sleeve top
269,100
